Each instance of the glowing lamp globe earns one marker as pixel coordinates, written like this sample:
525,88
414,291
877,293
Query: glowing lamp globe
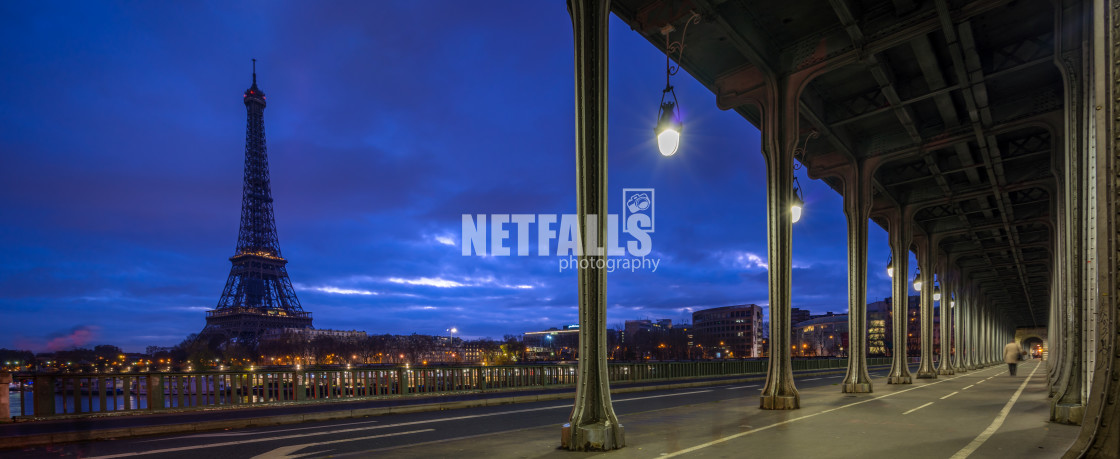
668,130
796,207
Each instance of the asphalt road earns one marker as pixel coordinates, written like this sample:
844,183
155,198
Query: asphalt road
367,436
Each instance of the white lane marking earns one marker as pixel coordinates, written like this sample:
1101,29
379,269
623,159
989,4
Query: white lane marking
950,395
384,426
663,395
260,432
807,416
918,408
742,387
833,376
368,452
968,386
811,379
980,381
332,432
996,423
286,451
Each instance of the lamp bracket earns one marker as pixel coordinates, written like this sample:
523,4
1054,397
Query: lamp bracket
675,47
799,151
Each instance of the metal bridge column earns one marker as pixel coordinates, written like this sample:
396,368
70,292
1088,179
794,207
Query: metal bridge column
592,424
927,251
900,238
857,207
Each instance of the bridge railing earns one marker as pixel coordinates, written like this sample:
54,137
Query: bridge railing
46,395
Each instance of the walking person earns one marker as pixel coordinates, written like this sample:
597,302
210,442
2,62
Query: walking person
1011,353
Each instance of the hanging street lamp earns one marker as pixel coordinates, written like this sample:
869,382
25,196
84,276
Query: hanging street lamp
798,201
668,129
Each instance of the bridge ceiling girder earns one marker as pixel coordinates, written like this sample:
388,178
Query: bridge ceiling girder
958,105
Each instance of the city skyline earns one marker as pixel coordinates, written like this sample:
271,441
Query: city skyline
124,143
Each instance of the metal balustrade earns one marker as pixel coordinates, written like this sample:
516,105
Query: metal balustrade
46,395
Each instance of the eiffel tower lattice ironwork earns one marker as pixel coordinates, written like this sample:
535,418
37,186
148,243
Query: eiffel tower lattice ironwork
258,295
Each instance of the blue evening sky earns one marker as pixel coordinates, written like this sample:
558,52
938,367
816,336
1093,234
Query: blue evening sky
122,140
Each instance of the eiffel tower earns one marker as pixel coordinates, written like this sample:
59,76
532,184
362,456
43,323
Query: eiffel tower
258,295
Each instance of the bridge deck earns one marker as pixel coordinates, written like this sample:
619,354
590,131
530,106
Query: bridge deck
930,418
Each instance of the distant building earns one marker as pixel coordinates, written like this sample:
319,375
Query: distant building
824,335
552,343
311,333
827,334
879,328
634,326
736,329
797,316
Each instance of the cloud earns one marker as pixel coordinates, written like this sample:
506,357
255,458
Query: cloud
487,281
333,290
427,281
740,259
76,337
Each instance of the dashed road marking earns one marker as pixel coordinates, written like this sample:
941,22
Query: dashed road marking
787,421
918,408
663,395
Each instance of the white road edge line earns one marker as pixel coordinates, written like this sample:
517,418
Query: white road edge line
243,441
330,432
811,379
742,387
257,431
286,451
950,395
787,421
996,423
918,408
